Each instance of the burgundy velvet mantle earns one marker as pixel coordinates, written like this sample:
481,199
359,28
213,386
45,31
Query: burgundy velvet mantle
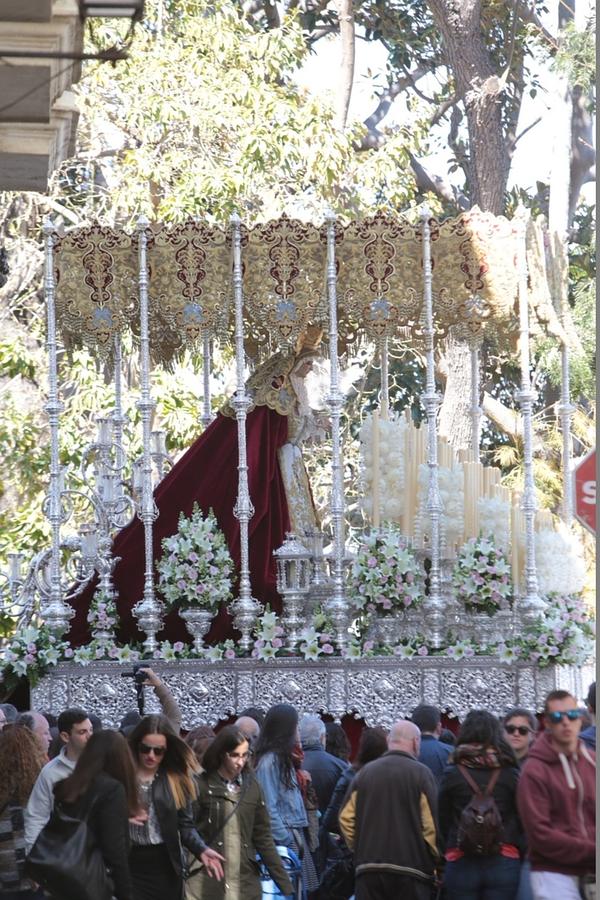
207,474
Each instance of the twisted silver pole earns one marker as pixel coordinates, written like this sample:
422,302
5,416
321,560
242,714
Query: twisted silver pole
118,419
149,609
476,412
533,604
431,402
557,263
336,605
384,402
207,416
245,608
53,609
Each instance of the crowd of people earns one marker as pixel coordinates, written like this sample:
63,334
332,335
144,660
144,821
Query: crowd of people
272,805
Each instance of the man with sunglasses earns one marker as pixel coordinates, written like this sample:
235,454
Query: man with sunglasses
557,798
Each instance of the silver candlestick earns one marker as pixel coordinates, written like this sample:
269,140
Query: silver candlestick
431,401
336,605
149,610
53,610
245,608
533,605
293,583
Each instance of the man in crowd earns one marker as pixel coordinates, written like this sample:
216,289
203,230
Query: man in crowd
75,730
589,735
520,726
433,753
557,798
37,723
249,728
324,768
389,820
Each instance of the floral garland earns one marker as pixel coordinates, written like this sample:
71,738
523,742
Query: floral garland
386,575
196,567
564,635
481,576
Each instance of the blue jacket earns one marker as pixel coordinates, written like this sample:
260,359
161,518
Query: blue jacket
285,805
434,754
588,736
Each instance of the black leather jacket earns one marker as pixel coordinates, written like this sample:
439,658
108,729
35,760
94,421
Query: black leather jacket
176,825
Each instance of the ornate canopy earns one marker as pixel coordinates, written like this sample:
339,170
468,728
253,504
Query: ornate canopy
379,269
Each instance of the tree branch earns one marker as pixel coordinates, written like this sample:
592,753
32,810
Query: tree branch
528,14
387,97
435,184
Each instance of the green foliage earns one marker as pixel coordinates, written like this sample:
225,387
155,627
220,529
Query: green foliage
576,54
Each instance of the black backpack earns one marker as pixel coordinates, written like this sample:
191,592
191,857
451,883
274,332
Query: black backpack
480,824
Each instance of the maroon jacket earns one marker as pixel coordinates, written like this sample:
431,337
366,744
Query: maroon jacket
556,797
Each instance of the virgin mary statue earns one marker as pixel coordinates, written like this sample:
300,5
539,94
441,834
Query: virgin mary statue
279,420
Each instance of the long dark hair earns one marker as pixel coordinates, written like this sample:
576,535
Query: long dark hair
481,727
179,763
278,736
336,741
227,740
106,751
372,745
21,759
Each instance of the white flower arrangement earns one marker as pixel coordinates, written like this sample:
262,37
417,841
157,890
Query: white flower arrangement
31,653
386,575
391,468
481,576
559,562
564,635
452,492
196,567
494,518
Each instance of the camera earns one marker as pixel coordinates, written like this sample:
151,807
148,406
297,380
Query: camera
138,676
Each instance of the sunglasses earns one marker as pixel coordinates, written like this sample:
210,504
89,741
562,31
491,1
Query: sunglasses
517,729
146,750
571,714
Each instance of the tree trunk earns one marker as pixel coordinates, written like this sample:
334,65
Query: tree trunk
480,88
347,38
455,413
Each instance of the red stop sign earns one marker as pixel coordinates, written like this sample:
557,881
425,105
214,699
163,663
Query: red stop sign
585,491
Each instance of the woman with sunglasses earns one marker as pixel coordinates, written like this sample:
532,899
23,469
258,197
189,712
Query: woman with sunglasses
521,727
481,757
165,767
231,814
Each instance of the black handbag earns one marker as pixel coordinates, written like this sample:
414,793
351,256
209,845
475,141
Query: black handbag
66,860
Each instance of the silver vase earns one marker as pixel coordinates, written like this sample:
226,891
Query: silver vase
197,621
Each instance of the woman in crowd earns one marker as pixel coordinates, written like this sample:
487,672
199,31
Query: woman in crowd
276,773
102,790
336,741
481,755
21,759
199,740
521,727
165,767
231,815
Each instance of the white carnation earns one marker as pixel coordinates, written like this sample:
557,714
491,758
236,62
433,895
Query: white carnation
559,561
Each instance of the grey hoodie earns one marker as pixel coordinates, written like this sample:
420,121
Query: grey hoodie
41,800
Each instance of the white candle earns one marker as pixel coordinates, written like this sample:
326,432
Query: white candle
137,475
158,444
375,485
104,430
14,566
89,540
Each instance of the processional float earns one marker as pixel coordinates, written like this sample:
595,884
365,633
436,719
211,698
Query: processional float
384,279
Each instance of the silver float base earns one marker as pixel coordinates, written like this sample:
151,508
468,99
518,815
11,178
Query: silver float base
379,690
